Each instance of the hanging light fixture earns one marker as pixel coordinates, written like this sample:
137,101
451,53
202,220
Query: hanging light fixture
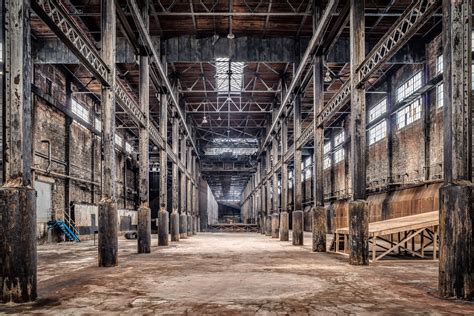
204,119
327,77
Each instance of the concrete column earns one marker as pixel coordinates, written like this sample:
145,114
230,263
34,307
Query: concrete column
284,219
108,240
456,234
358,210
144,212
297,216
319,218
183,179
195,193
163,215
18,262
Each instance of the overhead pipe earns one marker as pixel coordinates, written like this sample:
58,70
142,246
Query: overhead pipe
313,44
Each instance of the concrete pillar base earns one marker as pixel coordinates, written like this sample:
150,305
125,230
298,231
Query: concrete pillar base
268,225
174,227
163,227
358,233
275,225
284,221
18,245
456,242
144,230
319,229
194,225
108,238
183,226
189,230
298,228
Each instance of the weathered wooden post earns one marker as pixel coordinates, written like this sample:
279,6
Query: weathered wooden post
144,212
108,239
319,212
456,220
163,215
284,219
18,262
358,210
275,197
297,215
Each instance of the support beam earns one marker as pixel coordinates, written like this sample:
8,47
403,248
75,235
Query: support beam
163,215
108,238
456,261
358,210
17,197
144,212
297,215
284,220
319,212
275,197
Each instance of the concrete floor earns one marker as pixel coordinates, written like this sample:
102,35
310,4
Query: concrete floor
231,273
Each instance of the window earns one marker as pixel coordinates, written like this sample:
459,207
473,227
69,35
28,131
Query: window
118,140
229,76
98,124
339,139
308,170
409,87
80,111
290,179
339,155
439,64
128,148
409,114
440,95
377,132
327,156
377,110
327,162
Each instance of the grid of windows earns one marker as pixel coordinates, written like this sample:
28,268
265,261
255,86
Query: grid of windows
98,124
118,140
307,165
229,76
377,132
409,87
339,139
377,110
439,64
128,148
80,111
440,95
409,114
339,155
327,157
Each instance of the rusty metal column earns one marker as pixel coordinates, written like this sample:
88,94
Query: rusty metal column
275,198
319,212
163,215
358,210
262,199
297,215
17,197
108,240
144,212
284,219
188,187
456,234
195,195
268,217
175,183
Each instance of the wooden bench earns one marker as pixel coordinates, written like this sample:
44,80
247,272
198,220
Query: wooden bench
420,228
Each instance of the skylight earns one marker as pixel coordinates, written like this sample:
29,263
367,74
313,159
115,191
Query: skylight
229,76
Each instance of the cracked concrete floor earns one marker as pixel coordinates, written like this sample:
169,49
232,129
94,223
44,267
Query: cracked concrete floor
230,273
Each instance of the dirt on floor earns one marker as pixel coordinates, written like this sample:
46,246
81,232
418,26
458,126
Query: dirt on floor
231,273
